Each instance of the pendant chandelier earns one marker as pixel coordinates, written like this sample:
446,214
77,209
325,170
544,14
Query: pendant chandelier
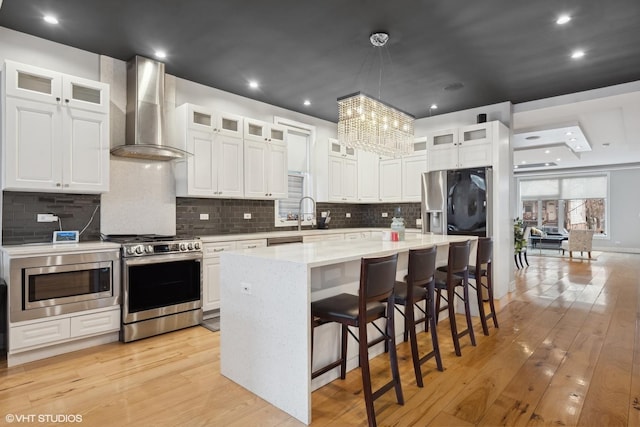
371,125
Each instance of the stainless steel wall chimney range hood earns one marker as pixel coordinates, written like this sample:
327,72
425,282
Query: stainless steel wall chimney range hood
145,125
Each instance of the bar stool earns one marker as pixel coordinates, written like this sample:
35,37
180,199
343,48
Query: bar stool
484,255
419,286
457,275
377,278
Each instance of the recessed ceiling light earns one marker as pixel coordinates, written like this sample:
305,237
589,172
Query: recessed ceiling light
577,54
160,54
515,167
433,107
547,151
307,102
546,164
563,19
569,133
578,147
524,162
253,84
558,159
50,19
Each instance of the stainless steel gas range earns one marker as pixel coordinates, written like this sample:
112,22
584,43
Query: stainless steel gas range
161,284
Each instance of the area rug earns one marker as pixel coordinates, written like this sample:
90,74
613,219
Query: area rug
554,253
212,324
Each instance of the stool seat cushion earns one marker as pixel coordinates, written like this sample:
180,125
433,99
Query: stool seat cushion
344,306
400,293
441,279
472,272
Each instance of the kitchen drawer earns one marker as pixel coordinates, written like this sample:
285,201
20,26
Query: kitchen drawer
359,235
95,323
250,244
322,237
215,249
37,334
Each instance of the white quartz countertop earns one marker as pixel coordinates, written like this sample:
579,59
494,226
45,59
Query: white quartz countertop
51,249
318,254
308,232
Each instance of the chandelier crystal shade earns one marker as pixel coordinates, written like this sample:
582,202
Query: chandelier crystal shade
372,125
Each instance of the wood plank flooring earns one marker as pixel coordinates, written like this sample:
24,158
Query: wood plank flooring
567,354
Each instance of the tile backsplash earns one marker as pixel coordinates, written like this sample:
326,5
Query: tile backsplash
226,216
20,210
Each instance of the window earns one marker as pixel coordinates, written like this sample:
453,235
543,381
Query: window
299,141
565,202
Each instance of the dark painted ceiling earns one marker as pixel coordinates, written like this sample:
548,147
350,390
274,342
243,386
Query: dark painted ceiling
499,50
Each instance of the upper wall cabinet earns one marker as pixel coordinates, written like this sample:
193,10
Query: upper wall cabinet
56,131
215,168
465,147
338,150
412,168
265,160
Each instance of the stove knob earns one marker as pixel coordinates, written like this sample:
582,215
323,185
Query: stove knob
139,250
190,246
130,250
183,247
196,245
149,249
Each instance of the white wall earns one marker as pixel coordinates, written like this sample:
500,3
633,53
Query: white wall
501,112
624,212
32,50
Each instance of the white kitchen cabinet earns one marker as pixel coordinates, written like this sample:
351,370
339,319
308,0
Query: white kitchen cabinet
368,164
412,168
466,147
38,334
343,173
357,235
211,273
95,323
338,150
265,160
251,244
65,121
343,178
322,237
390,180
215,168
30,335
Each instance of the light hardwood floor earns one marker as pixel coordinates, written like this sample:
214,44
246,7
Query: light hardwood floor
566,353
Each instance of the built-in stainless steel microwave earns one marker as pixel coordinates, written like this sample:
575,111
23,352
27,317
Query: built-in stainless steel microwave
44,286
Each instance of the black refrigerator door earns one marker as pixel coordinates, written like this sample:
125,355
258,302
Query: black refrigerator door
467,202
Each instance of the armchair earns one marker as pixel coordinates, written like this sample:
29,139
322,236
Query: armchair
579,240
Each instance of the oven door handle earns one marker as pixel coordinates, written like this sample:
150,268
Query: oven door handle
157,259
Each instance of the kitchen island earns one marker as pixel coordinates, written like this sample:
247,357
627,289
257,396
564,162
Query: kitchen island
265,343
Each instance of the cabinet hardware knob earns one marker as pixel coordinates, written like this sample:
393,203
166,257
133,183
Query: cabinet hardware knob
58,98
57,184
66,100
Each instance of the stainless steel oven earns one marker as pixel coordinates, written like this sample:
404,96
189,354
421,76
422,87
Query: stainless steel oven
43,286
161,286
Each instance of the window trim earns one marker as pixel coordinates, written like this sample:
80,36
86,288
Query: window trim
310,131
532,177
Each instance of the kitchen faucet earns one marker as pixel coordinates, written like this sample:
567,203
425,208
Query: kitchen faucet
300,210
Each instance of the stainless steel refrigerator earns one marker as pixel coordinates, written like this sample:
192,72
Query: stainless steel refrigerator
457,202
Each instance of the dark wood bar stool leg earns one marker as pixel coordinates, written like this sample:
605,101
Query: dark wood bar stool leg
457,275
418,287
375,300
